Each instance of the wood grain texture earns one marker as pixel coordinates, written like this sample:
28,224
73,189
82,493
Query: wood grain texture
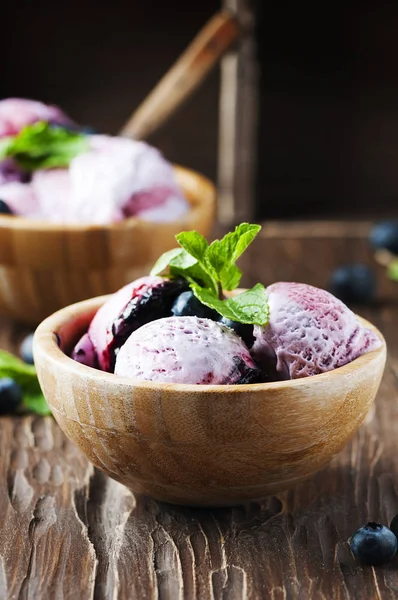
238,121
44,267
107,544
200,445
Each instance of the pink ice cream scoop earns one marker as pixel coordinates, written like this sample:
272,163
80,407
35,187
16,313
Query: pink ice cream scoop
17,113
119,177
137,303
309,332
186,350
116,178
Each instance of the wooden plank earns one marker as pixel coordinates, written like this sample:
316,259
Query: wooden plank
238,120
69,532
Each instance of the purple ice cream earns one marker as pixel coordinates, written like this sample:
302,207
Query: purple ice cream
116,178
309,332
137,303
186,350
17,113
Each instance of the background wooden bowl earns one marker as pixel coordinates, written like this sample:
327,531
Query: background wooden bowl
200,445
45,266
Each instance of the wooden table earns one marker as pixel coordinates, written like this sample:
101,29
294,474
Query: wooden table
68,532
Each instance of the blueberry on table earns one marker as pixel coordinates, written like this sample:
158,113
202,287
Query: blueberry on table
243,330
10,396
26,349
384,236
373,544
187,305
4,208
354,284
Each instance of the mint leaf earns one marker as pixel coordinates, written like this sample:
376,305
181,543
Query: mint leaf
163,262
249,307
209,269
43,146
183,260
230,277
251,304
244,235
222,254
178,263
25,375
209,299
194,243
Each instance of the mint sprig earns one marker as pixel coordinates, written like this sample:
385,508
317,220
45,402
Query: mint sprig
248,307
25,375
43,146
211,268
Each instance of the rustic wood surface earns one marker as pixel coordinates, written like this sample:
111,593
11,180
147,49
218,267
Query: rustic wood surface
68,532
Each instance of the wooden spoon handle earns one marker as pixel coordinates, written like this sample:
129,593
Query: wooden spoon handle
184,76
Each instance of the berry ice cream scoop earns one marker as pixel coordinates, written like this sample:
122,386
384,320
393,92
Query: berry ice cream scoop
309,332
16,113
114,179
137,303
186,350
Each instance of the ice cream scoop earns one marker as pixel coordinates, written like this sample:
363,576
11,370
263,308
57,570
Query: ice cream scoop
309,332
116,178
119,177
137,303
186,350
16,113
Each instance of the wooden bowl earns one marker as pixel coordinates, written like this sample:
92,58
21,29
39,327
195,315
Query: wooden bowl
45,266
200,445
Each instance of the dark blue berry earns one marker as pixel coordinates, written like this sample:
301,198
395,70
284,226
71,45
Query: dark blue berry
26,349
10,396
242,329
88,130
4,208
373,544
384,236
246,374
354,284
394,526
187,305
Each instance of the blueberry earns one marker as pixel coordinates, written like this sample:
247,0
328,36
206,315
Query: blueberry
88,130
354,284
394,526
187,305
384,236
26,349
244,373
10,396
242,329
4,208
373,544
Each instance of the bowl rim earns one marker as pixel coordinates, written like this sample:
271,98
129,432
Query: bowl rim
41,225
45,342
